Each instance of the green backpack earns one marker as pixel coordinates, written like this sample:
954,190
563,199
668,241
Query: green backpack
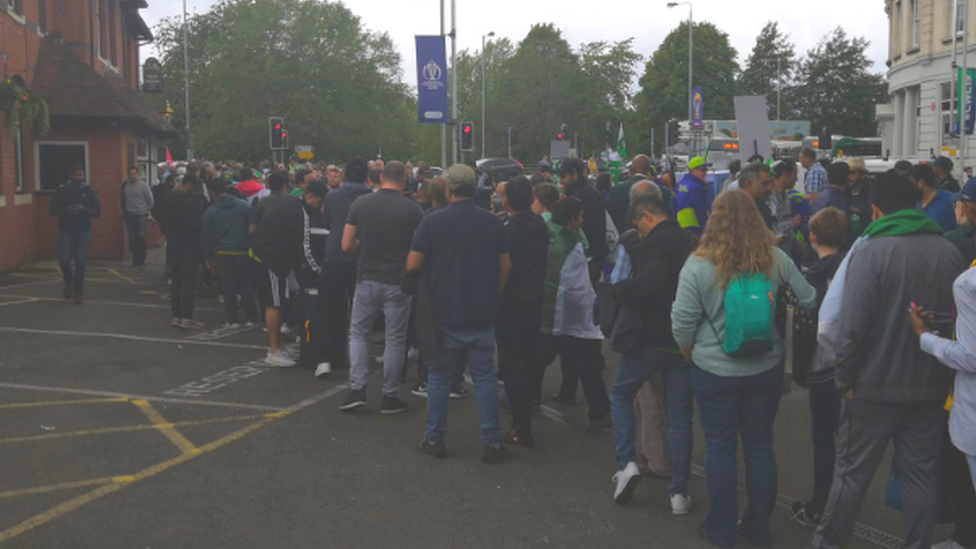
750,308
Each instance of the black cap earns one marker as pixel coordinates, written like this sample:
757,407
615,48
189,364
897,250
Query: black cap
357,169
317,187
217,186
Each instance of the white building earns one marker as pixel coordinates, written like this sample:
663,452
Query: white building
917,122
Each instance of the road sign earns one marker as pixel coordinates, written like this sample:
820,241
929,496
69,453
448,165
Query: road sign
304,152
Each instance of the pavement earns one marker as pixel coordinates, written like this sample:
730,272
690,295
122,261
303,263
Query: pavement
117,430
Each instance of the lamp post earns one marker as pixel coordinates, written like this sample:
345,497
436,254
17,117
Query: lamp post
483,129
186,87
691,43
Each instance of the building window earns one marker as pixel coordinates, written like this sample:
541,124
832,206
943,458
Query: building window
18,6
961,17
19,160
112,38
915,23
945,110
102,29
42,15
53,162
896,25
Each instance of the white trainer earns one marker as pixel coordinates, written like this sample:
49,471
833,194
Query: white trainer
680,504
323,370
627,481
279,359
292,351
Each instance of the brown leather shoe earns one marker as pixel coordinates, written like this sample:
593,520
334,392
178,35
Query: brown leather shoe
79,300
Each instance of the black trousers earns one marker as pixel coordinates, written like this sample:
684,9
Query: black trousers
235,275
135,227
824,417
183,262
965,498
337,285
517,336
866,428
579,355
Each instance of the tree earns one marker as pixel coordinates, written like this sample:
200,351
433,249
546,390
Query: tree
609,69
664,89
337,85
540,89
770,66
834,88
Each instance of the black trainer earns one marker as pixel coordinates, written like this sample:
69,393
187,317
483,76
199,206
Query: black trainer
437,451
495,453
393,405
458,391
355,399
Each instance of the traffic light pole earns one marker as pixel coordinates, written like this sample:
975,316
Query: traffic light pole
509,142
443,126
454,79
186,87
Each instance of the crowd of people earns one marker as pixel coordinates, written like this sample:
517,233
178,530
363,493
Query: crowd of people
857,290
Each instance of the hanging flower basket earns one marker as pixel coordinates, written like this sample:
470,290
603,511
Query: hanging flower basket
24,108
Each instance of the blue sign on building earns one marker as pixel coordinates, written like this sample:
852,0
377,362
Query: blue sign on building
431,80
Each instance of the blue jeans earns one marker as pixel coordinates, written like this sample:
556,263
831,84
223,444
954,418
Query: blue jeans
73,246
476,347
728,406
370,299
634,371
135,227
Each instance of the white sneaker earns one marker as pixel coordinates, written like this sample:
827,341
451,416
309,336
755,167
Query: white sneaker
190,324
627,480
279,359
177,322
292,351
680,504
413,354
379,359
323,370
285,329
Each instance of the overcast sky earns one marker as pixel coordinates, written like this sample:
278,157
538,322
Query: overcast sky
647,21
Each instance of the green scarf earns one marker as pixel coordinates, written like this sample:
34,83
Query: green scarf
903,223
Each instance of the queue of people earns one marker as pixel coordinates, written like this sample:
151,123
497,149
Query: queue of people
849,289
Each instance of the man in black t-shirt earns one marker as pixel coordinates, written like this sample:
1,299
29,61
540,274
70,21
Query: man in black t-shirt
380,227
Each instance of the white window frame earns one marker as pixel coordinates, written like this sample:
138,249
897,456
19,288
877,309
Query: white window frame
897,25
945,111
37,161
961,17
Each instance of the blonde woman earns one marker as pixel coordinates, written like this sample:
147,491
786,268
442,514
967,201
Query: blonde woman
735,394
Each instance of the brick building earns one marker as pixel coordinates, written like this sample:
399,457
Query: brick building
82,57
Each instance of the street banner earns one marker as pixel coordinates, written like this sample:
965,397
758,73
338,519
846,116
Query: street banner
753,123
431,80
966,92
697,108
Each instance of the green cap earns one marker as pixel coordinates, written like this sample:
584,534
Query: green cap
698,162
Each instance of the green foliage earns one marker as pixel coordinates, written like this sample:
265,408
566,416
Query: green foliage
24,109
834,88
664,85
770,65
337,85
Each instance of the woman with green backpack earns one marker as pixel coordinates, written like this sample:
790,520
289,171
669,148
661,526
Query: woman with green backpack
723,320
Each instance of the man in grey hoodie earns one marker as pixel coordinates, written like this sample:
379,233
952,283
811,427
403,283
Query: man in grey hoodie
135,203
337,282
892,389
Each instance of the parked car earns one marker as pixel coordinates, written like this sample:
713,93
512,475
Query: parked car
503,168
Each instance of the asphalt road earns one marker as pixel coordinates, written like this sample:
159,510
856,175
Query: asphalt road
117,430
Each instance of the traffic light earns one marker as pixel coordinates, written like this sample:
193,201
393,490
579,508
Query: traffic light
276,133
284,140
513,136
563,132
673,131
467,136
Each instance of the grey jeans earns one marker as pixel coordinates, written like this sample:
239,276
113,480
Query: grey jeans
370,299
918,431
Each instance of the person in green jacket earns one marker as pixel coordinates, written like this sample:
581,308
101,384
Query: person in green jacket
734,394
964,236
225,242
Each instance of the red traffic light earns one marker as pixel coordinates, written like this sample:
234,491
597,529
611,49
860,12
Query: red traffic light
277,126
466,129
559,136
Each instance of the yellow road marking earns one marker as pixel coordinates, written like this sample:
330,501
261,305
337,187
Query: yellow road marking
102,491
61,403
98,301
165,427
122,276
56,487
128,429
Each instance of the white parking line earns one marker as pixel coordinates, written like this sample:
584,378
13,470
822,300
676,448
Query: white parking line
19,302
131,338
90,392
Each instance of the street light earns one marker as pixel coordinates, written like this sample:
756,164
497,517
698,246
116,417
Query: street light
483,132
690,45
